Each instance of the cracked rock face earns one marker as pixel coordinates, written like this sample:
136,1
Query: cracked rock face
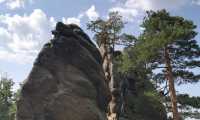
67,81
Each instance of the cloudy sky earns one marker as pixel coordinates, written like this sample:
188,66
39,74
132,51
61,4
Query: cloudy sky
25,25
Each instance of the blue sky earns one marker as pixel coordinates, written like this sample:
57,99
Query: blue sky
25,25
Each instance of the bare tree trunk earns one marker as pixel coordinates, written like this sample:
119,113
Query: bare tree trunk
172,91
107,55
106,61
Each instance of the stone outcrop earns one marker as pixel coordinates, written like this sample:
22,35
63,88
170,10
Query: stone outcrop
141,100
67,81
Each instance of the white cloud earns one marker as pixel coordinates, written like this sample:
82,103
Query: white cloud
23,36
21,58
132,10
113,0
196,2
1,1
138,4
4,35
128,14
155,4
71,20
92,13
74,20
14,4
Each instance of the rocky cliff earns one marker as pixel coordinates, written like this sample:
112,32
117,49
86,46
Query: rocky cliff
67,81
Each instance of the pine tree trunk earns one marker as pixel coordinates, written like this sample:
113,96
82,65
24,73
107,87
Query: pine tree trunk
172,91
108,70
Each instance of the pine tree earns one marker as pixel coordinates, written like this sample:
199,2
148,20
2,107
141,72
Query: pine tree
108,35
168,44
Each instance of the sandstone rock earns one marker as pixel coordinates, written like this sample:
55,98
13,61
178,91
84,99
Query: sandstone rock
67,81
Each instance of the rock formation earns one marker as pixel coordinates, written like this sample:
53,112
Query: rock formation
67,81
141,100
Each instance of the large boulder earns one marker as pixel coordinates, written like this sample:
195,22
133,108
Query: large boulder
67,81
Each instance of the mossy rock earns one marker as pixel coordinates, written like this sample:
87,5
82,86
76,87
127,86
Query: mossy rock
149,107
146,106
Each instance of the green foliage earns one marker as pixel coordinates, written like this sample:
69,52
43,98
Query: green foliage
143,102
147,105
7,99
195,115
186,100
127,40
150,107
164,31
109,31
188,106
49,44
176,34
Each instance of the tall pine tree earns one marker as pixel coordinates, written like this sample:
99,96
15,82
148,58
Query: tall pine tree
168,43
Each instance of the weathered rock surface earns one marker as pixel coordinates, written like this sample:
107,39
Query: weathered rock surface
67,81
